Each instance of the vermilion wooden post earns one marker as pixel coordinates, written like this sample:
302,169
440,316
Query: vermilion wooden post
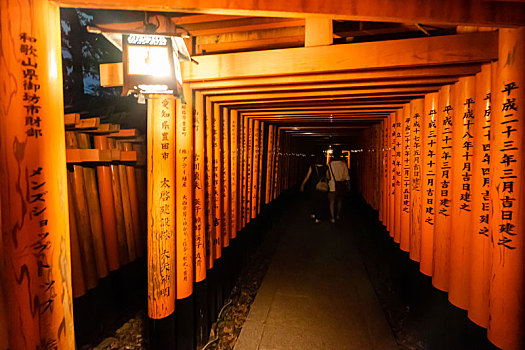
481,232
201,244
384,171
269,163
507,319
134,202
260,173
124,256
234,147
444,197
225,181
255,170
277,163
126,205
199,184
4,337
217,176
405,181
249,169
77,271
95,217
161,206
398,153
82,217
210,189
245,171
107,207
391,172
33,179
184,194
240,194
377,166
463,154
417,108
140,176
429,181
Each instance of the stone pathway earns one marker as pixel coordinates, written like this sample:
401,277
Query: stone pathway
316,294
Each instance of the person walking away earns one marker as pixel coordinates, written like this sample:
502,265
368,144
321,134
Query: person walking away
316,191
339,181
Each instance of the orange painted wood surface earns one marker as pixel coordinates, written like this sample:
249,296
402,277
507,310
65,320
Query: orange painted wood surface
184,195
201,245
122,240
95,217
261,172
79,199
398,156
138,235
405,230
4,337
161,206
255,170
269,164
384,171
225,177
217,180
36,273
249,171
242,164
462,153
107,207
389,188
245,198
481,232
234,147
507,319
445,119
417,110
210,190
126,206
77,271
429,182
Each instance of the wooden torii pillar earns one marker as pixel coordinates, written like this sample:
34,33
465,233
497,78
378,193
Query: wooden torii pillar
36,263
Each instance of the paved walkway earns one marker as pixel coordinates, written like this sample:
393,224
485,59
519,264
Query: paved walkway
316,293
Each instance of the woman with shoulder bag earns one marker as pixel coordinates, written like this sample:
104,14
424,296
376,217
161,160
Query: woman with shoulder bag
339,184
317,187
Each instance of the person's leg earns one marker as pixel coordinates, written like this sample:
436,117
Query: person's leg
339,206
331,198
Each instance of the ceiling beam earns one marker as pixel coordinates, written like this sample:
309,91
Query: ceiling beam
328,77
465,12
449,49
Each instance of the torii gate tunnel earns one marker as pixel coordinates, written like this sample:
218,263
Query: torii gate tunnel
438,130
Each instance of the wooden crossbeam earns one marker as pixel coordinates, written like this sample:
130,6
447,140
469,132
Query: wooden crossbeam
403,73
327,94
450,49
467,12
334,86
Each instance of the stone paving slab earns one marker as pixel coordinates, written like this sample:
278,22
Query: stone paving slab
316,294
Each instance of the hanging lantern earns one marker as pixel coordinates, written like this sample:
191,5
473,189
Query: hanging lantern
150,65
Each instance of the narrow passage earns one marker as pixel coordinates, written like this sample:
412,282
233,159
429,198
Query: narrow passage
316,294
348,286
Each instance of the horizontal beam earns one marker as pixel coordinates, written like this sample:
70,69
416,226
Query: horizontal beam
333,86
449,49
466,12
327,94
